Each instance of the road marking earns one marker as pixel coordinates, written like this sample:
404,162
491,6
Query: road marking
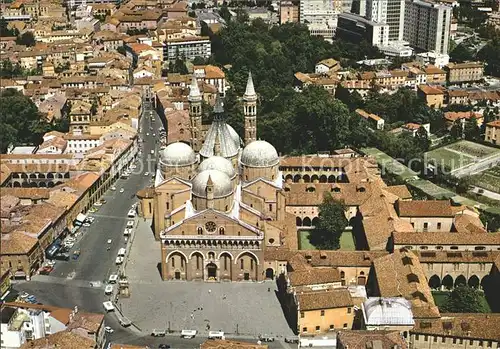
108,216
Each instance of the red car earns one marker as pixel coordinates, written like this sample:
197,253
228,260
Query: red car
46,270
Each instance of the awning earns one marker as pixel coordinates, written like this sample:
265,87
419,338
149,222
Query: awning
81,217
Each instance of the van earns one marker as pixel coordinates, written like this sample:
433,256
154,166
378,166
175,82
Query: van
131,214
216,335
158,333
188,334
121,252
108,306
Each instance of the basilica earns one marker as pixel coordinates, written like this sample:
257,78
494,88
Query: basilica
218,203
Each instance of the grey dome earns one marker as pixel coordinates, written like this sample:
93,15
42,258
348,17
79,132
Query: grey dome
221,184
177,154
388,311
235,136
218,163
259,154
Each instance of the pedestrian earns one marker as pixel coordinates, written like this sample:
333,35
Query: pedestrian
224,297
192,316
269,289
209,291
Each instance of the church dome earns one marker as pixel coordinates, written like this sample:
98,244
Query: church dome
177,154
221,184
218,163
259,154
234,136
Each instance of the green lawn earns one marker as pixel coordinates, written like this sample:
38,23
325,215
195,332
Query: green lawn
440,299
390,165
346,241
459,154
489,179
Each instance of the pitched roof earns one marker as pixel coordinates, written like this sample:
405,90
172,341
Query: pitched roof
469,326
431,90
17,243
495,123
458,256
445,238
337,298
401,191
314,276
424,208
367,339
404,267
63,339
327,258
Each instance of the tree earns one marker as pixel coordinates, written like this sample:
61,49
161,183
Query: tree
224,13
20,120
422,138
331,224
464,299
461,54
471,129
26,39
4,30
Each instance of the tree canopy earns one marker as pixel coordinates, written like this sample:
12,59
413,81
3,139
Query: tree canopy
331,224
20,120
464,299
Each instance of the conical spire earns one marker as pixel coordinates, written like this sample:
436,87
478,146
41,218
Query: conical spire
209,181
194,91
250,90
218,108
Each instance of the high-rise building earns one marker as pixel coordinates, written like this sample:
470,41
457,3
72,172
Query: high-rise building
390,12
320,16
427,25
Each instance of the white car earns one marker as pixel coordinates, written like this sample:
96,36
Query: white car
110,241
108,306
108,329
147,134
113,278
86,225
119,260
97,204
108,290
146,174
154,134
113,188
122,190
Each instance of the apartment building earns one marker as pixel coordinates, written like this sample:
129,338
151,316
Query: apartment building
288,12
390,12
492,134
464,72
356,29
427,25
320,16
187,47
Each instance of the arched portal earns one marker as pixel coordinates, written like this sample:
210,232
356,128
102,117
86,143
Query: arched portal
314,179
306,179
323,179
16,185
288,178
434,282
473,281
298,221
331,179
306,222
460,281
447,282
296,178
269,273
315,221
211,271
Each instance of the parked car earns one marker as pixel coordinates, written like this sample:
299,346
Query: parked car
108,290
158,333
164,346
266,338
46,270
108,329
122,190
293,340
113,188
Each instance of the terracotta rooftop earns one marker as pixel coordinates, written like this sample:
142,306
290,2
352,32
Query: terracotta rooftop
63,339
495,123
367,339
338,298
17,243
458,256
445,238
314,276
401,191
26,193
453,116
424,208
405,267
466,65
432,69
467,326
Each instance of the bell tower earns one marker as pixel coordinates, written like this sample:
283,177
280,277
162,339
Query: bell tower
195,115
250,111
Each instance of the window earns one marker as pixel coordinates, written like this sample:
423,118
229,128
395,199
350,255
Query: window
426,338
426,226
417,337
443,339
182,263
322,313
348,310
345,325
241,264
434,339
200,231
270,207
251,264
173,262
317,328
454,341
304,329
332,327
221,230
225,262
168,205
197,262
471,342
301,314
439,226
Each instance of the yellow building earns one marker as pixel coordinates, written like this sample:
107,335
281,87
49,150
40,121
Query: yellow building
324,311
464,72
492,134
432,95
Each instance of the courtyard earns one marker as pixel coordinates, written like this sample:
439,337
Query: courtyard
346,241
235,308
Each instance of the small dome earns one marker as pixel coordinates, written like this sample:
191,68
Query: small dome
234,136
177,154
221,184
218,163
259,154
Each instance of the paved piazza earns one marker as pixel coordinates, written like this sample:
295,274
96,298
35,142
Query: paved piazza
244,308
